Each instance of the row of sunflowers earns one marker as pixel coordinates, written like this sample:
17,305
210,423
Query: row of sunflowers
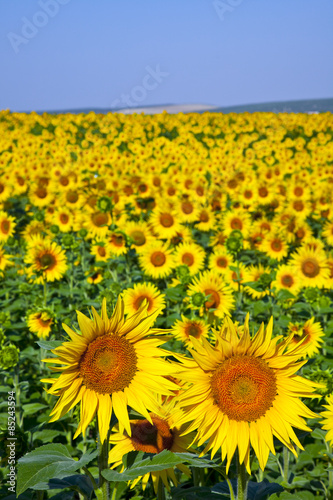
193,232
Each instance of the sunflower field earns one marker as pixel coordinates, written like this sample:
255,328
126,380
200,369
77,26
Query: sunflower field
166,306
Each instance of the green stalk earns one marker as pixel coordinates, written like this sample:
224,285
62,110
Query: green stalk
45,292
285,463
103,463
242,481
160,490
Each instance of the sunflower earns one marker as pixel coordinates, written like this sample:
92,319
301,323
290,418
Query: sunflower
287,279
219,295
4,259
164,223
94,275
310,333
274,246
187,328
328,232
139,234
63,218
97,223
236,221
311,266
133,298
117,243
207,220
191,255
40,196
236,278
244,392
220,261
7,226
47,260
157,260
101,250
40,323
107,365
328,419
161,432
188,210
254,274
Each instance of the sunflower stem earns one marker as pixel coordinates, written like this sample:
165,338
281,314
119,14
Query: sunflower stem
103,463
44,292
160,490
242,480
285,463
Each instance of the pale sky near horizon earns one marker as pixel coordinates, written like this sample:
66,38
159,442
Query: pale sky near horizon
66,54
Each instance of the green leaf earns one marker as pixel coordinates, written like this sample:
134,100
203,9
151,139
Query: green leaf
48,462
284,295
164,460
49,344
32,408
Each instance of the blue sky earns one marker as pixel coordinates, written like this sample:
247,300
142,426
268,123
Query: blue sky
60,54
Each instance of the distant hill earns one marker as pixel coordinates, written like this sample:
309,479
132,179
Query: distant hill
302,106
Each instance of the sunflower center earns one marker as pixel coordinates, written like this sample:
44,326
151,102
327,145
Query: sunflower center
108,365
5,226
99,219
117,240
298,191
222,262
248,194
276,245
138,238
47,261
310,268
298,206
101,251
151,438
244,388
300,233
2,188
41,192
263,192
204,217
287,280
138,301
187,207
166,220
236,224
157,259
188,259
214,299
193,330
72,196
64,181
64,218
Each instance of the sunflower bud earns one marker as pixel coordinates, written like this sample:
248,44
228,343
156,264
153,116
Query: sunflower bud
54,229
198,299
311,295
104,204
9,357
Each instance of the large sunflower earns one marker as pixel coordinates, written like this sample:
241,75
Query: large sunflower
244,392
112,363
162,432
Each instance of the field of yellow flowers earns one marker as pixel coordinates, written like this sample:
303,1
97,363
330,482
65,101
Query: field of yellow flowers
166,306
